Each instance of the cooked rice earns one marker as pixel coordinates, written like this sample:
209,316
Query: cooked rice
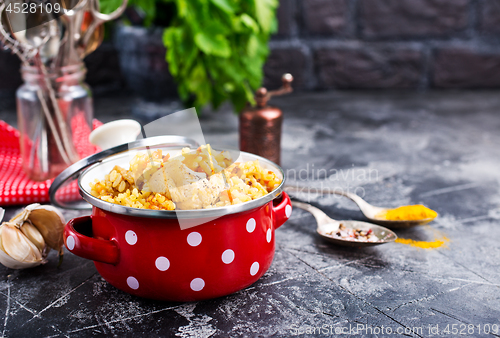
247,181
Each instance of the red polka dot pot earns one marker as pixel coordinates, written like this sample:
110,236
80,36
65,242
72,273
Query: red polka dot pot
146,252
154,258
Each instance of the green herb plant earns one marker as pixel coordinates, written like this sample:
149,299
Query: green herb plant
216,49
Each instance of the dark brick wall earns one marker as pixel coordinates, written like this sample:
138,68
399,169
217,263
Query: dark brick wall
397,19
373,67
348,44
412,44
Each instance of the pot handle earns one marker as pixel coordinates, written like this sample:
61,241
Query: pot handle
78,240
282,211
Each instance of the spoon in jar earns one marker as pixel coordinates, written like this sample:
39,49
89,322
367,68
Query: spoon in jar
373,213
44,35
97,36
37,37
72,19
334,230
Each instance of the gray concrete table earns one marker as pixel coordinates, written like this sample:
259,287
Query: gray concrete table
439,148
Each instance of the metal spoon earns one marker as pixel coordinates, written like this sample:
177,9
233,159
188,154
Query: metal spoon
371,211
94,41
44,35
327,225
42,30
99,18
37,37
72,19
50,49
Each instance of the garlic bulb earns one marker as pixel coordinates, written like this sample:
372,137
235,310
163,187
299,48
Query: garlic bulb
28,237
32,233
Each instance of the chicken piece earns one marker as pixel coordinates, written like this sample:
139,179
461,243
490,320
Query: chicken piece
180,173
187,188
200,194
158,183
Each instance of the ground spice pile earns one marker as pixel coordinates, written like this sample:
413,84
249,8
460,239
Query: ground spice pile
424,244
407,213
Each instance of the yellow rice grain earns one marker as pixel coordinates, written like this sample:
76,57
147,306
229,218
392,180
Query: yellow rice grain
248,181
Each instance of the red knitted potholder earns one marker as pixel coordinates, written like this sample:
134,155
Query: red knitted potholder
15,186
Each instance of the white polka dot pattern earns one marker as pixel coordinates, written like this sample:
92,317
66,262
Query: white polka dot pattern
162,263
288,211
269,235
254,268
251,225
133,283
131,237
70,242
197,284
194,239
228,256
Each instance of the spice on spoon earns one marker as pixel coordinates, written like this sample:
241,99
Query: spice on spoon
407,213
357,235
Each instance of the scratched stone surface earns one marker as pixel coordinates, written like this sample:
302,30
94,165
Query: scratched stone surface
436,148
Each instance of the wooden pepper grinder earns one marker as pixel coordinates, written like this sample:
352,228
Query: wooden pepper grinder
260,126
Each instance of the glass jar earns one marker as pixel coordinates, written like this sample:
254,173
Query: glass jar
54,114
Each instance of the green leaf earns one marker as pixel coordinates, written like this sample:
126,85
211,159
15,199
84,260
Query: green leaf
249,22
218,96
197,77
254,72
217,49
238,98
229,87
248,94
231,69
253,46
170,38
148,7
224,5
212,42
182,8
108,6
183,92
265,11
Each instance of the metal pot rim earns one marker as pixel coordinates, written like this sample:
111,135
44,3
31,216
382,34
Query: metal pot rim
185,214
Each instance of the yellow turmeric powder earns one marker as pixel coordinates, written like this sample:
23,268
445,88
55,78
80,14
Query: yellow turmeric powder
423,244
407,213
440,240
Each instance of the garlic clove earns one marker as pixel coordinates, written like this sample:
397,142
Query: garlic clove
1,246
21,217
2,213
10,262
32,233
18,246
50,222
27,238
